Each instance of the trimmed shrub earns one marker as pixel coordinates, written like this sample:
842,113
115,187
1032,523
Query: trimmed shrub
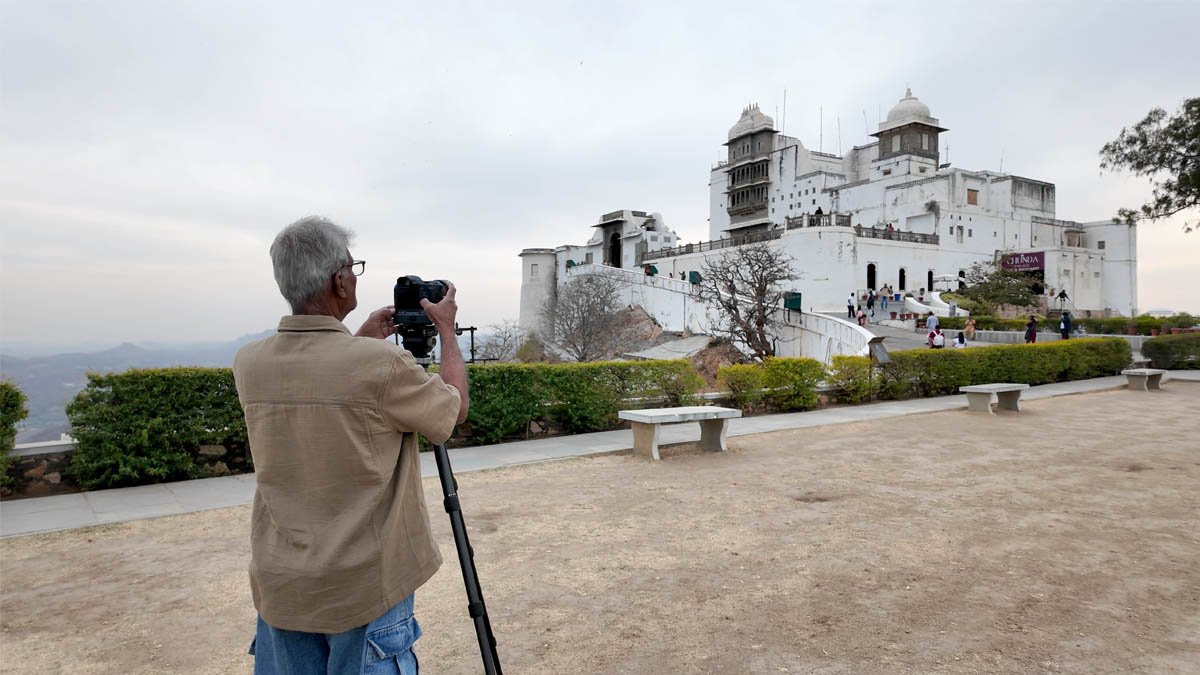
12,410
852,378
744,381
504,398
1173,351
793,382
147,426
931,372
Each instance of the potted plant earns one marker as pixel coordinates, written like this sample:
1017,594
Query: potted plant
893,315
1131,329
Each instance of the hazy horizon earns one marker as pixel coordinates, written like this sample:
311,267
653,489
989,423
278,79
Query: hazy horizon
152,150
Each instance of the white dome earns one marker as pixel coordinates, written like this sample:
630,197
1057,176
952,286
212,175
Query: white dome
752,120
908,108
907,111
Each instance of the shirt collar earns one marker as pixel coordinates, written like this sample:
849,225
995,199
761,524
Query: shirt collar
311,322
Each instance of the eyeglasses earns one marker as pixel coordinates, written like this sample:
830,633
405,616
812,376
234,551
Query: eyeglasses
356,266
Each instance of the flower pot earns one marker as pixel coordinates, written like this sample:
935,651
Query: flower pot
1154,331
893,315
1131,330
1176,331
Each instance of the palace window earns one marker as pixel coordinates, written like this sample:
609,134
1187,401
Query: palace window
973,197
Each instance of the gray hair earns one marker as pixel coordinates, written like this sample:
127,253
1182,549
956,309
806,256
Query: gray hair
304,255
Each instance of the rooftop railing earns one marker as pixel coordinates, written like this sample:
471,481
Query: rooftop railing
717,244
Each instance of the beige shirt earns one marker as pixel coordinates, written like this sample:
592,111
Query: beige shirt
339,531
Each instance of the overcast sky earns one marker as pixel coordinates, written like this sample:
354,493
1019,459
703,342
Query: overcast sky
149,151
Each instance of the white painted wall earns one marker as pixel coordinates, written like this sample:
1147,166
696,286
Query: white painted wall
538,275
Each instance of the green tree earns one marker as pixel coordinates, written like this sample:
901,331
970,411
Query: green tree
1167,151
12,410
990,286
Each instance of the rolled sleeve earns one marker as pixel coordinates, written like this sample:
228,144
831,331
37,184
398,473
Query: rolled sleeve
413,400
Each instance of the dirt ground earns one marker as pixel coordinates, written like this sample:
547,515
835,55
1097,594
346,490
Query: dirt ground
1063,539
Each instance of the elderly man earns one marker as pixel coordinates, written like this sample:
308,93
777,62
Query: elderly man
339,534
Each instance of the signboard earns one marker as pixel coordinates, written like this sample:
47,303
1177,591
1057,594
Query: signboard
1024,262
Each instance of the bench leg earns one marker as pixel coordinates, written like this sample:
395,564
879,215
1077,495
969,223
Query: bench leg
979,402
1007,400
1153,381
712,435
1137,382
645,440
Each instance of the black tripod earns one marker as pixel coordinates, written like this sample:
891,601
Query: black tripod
419,343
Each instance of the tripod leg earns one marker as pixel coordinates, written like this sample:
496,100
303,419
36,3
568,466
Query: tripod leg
466,561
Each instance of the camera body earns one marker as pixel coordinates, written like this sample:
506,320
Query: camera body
413,325
408,293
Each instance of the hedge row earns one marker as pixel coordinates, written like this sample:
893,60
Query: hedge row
932,372
147,426
12,410
1173,351
1142,325
577,397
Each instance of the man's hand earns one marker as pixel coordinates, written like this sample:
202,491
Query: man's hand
379,324
443,313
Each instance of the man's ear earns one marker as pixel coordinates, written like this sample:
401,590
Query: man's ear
339,286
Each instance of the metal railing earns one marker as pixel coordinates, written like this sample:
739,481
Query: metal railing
755,238
895,235
823,220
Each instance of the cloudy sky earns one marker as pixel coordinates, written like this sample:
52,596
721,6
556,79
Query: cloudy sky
149,151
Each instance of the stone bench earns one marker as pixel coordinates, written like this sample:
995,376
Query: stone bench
646,423
979,396
1143,378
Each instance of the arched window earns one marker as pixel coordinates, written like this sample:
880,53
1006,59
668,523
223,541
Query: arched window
902,280
870,275
929,281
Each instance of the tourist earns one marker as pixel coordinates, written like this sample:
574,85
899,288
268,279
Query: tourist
969,328
960,341
339,533
931,321
936,338
850,306
885,294
862,317
1064,325
871,302
1031,330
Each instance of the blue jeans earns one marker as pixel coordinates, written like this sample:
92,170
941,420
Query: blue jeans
382,647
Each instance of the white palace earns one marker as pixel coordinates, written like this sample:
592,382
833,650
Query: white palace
888,212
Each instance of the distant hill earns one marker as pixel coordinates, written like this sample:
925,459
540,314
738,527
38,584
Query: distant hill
52,381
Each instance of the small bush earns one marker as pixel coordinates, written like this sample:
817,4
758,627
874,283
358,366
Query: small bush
744,382
793,382
146,426
12,410
1173,351
851,376
504,398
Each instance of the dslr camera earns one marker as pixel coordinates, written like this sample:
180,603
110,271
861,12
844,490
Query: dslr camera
413,325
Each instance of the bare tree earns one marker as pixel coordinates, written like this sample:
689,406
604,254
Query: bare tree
745,286
582,315
501,342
